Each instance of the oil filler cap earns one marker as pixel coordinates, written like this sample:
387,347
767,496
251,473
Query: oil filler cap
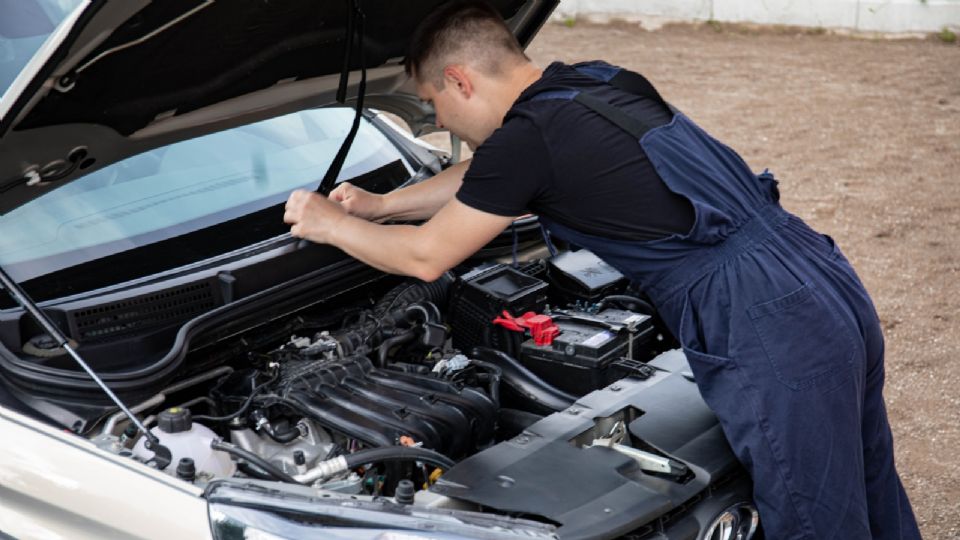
175,420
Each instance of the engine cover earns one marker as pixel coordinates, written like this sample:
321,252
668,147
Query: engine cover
378,406
550,470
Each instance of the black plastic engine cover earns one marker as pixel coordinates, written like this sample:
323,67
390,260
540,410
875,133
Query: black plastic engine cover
597,492
379,406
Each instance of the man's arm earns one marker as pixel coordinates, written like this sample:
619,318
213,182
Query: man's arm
419,201
454,233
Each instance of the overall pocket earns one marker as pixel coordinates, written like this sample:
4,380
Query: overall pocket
715,373
807,343
693,339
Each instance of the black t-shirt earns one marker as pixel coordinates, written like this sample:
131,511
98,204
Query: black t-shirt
558,159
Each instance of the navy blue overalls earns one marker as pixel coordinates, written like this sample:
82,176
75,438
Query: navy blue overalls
781,336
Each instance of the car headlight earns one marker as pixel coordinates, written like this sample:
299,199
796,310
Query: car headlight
737,522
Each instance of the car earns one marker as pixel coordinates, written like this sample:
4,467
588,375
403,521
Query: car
173,364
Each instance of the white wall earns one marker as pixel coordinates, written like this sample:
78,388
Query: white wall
861,15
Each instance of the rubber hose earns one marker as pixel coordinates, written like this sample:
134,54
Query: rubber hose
495,375
388,344
524,381
253,472
415,291
261,463
508,342
438,290
428,311
398,453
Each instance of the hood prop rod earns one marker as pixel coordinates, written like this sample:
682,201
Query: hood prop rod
354,26
162,455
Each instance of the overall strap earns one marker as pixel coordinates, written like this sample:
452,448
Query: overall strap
614,114
619,78
630,82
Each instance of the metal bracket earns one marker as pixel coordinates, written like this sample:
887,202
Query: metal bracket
648,461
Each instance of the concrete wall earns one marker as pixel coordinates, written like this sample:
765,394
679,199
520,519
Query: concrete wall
860,15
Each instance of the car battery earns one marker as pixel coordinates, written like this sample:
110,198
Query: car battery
583,357
481,295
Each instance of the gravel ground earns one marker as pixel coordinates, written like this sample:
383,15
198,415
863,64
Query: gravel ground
864,136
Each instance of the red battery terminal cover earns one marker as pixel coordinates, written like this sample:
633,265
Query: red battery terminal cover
541,326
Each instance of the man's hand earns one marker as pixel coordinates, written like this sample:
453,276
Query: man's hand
358,201
452,233
312,216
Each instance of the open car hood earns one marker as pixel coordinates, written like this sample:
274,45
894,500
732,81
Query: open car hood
123,76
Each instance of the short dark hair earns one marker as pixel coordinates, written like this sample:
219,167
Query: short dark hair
462,26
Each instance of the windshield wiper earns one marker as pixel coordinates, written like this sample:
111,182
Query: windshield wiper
161,454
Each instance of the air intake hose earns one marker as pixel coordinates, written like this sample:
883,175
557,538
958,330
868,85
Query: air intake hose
542,394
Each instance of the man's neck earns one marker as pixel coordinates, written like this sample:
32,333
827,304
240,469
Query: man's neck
517,80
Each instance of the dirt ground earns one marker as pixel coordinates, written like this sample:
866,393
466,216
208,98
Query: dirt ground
864,136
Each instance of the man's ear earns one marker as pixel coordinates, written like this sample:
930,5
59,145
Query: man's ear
457,77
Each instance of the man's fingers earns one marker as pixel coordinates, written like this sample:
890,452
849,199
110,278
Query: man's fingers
355,200
311,215
344,195
298,198
340,193
293,210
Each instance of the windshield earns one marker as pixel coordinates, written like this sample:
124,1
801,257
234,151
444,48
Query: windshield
24,26
184,187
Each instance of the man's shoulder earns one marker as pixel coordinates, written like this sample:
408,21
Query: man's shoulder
516,132
549,99
533,129
534,114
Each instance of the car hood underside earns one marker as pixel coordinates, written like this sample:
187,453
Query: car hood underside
134,74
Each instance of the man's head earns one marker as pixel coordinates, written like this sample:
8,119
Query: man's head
466,61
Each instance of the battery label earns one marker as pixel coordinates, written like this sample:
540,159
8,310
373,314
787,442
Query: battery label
598,339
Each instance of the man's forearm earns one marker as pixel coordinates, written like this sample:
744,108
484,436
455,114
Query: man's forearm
397,249
423,200
423,251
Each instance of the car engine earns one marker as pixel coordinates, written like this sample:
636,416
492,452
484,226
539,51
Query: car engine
385,391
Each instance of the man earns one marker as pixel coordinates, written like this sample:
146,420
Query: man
781,336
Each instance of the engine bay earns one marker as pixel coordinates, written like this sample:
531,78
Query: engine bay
447,368
385,391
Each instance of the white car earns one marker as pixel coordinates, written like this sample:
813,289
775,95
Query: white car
174,365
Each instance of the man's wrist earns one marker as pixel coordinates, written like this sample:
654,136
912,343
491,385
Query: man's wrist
337,228
385,206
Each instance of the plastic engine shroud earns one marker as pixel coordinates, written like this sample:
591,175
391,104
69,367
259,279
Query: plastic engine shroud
376,407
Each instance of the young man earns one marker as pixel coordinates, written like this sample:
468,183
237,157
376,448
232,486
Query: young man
783,340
